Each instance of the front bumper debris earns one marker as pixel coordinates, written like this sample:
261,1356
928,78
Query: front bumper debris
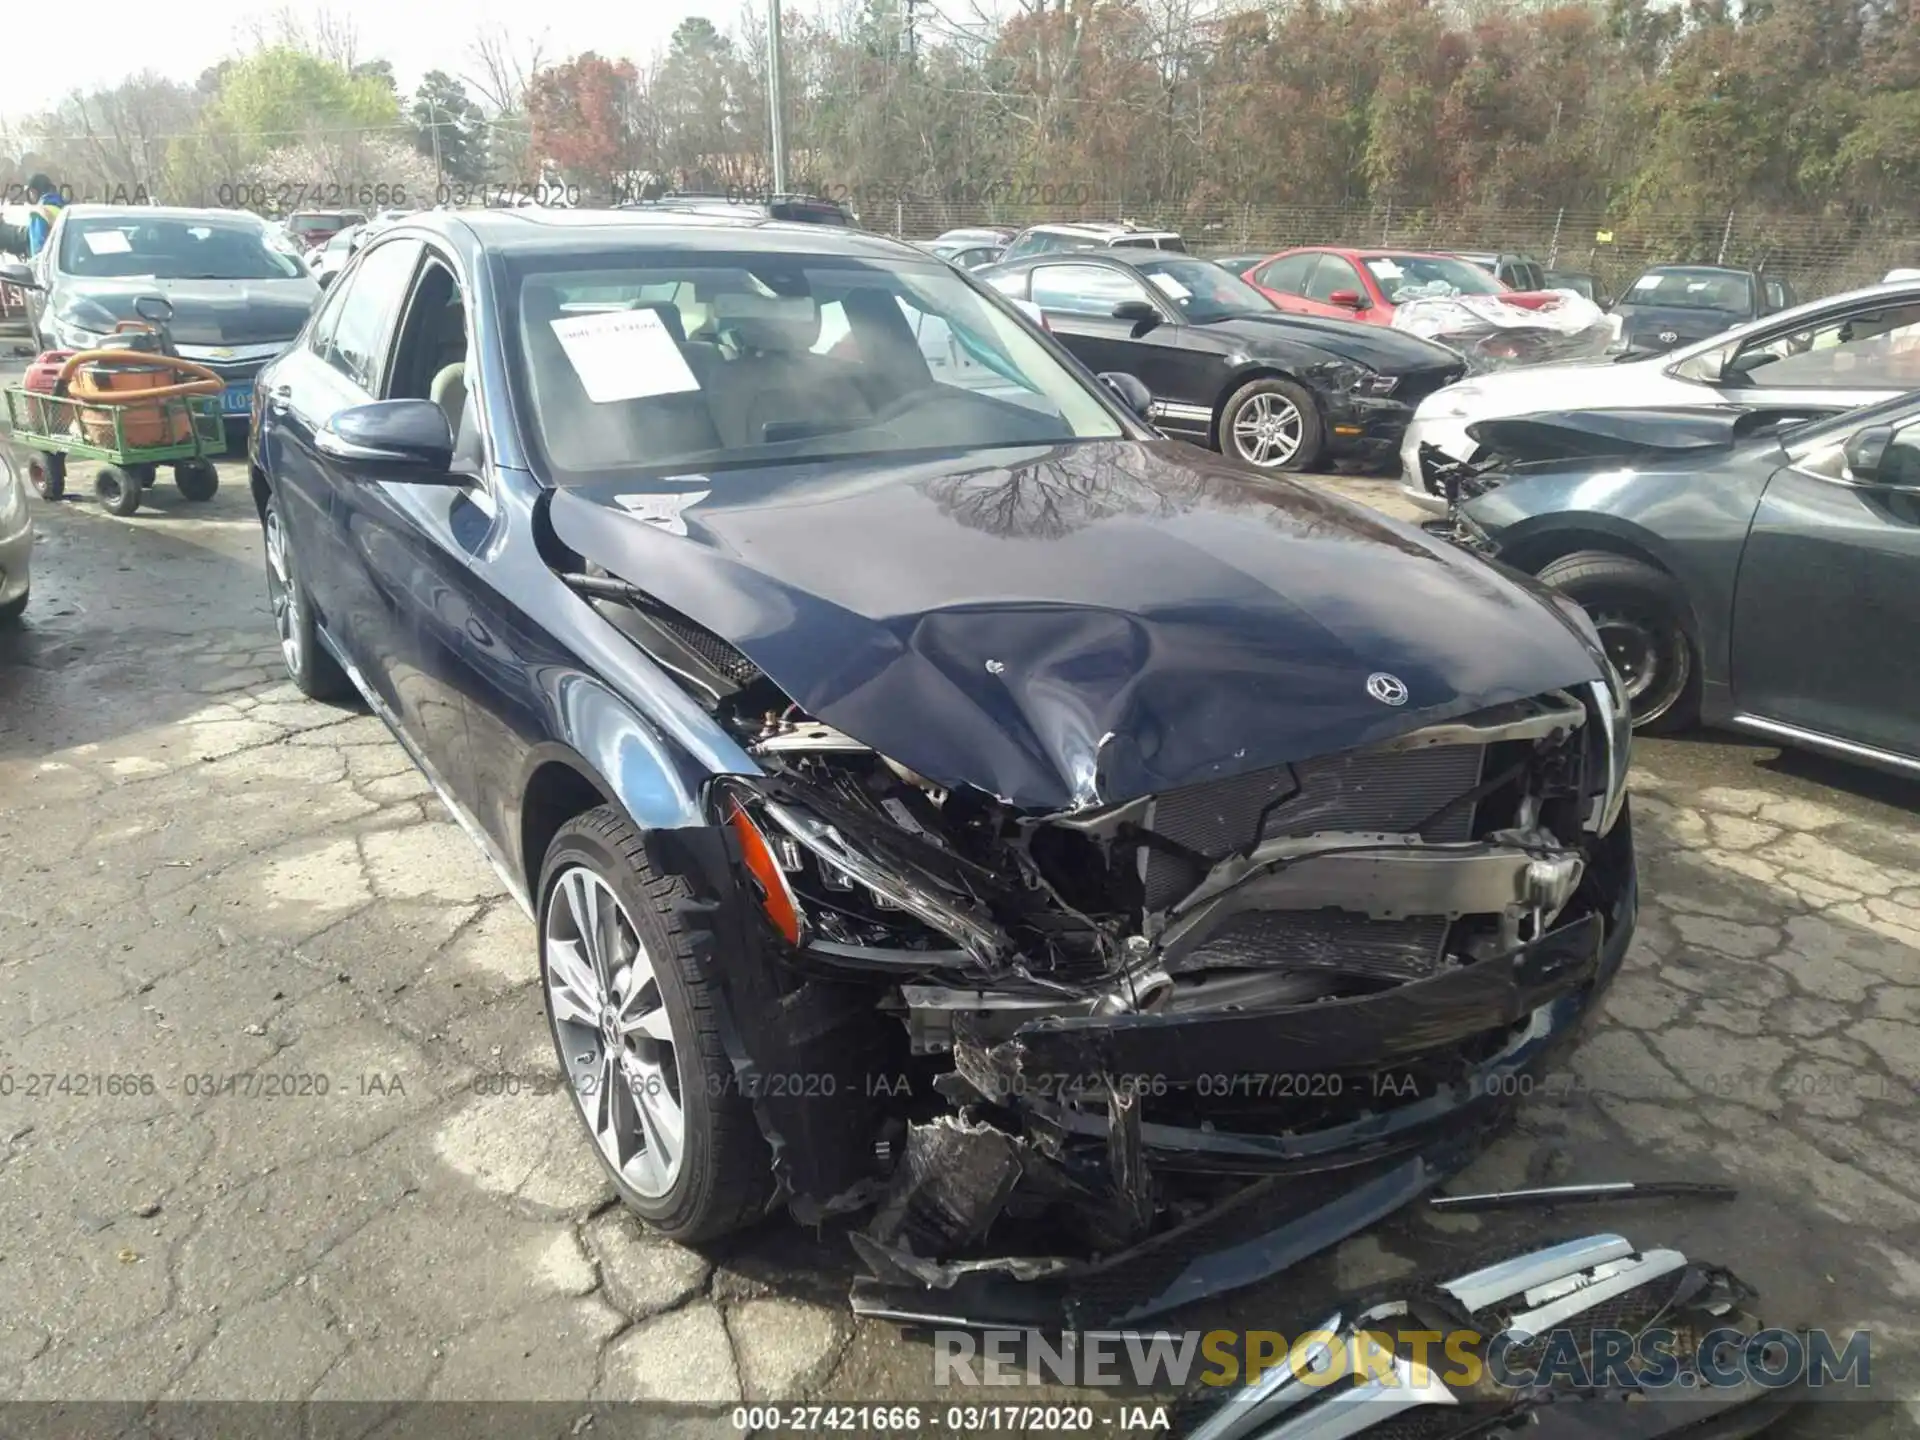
1375,1367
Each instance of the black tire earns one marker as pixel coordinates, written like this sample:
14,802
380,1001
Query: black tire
725,1175
1312,430
196,480
146,473
1644,620
312,669
47,473
117,490
13,609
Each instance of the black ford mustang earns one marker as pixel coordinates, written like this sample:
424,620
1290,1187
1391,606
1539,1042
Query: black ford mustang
936,794
1226,369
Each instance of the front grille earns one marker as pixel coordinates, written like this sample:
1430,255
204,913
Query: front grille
1391,791
1335,940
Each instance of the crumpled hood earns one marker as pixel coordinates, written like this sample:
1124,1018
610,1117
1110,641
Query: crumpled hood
1078,625
1378,347
205,312
1644,430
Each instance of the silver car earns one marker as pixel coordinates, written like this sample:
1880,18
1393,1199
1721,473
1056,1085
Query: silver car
16,541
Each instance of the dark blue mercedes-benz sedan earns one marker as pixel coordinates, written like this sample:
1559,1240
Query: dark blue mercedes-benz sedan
938,795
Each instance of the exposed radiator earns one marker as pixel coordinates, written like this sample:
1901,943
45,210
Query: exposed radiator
1323,940
1391,791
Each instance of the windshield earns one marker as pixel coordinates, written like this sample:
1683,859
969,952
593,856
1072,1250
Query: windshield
1203,290
1428,277
173,249
317,224
1693,290
675,361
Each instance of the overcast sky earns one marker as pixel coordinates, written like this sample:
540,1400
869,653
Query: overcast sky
123,37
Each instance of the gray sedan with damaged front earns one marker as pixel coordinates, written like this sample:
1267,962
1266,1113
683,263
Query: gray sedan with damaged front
944,801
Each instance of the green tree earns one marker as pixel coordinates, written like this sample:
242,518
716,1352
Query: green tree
448,123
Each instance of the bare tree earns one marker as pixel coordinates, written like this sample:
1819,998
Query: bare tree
501,66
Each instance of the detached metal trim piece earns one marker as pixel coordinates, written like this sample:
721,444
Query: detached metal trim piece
1278,1390
1349,1411
1501,1281
1608,1280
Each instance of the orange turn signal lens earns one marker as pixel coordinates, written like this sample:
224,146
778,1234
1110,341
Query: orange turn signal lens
776,898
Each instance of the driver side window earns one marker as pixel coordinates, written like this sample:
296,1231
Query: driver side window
1288,274
1867,350
1332,274
1091,290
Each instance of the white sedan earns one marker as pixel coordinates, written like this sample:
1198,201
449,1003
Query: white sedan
1838,353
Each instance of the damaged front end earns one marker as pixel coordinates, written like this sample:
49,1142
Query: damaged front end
1162,1048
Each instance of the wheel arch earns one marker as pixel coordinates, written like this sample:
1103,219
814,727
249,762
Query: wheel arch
559,786
260,487
1243,374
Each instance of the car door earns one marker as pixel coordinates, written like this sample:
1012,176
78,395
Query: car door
1827,603
410,545
1078,301
1284,280
1860,356
295,396
1334,275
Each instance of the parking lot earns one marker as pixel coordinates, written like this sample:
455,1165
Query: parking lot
282,1120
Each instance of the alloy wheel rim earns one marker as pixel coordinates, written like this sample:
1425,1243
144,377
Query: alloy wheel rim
1267,430
615,1037
282,593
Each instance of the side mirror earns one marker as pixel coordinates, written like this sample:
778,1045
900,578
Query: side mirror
1129,391
1140,312
408,441
1347,300
19,273
1883,456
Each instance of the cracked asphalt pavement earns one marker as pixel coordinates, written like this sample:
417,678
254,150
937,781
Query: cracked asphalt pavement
280,1118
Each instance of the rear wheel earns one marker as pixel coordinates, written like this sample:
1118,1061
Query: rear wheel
47,473
1641,614
1272,425
117,490
196,480
314,672
634,1028
12,610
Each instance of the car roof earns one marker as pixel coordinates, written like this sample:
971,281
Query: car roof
157,212
1097,229
1670,265
533,230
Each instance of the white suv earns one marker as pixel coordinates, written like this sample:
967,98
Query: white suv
1044,239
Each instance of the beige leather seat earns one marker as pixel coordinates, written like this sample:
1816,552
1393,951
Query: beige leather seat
449,392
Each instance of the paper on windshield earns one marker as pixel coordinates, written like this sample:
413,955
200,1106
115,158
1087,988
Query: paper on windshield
1648,282
663,512
1170,286
623,355
107,242
1385,269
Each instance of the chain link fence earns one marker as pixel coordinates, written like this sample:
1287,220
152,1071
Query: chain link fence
1816,254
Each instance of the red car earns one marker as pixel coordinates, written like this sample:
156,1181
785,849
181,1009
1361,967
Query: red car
1366,285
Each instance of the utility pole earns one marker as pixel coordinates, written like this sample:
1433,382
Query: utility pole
912,48
776,98
439,171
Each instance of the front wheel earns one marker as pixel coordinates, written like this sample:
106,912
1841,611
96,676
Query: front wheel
633,1026
1272,425
117,490
1641,614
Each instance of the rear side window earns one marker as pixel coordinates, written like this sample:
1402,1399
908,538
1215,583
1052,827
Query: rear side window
1288,274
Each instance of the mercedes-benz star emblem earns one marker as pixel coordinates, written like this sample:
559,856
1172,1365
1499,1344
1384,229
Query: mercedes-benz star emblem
1387,689
1669,337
